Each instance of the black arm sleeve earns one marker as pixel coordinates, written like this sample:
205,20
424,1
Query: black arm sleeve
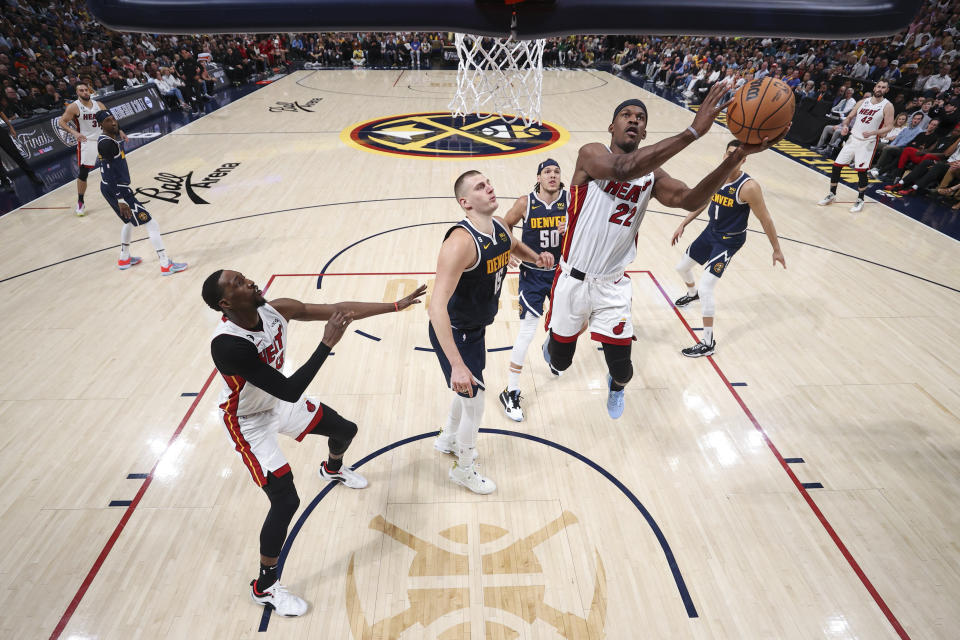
108,148
235,356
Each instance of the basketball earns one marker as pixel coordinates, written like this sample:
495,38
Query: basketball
760,109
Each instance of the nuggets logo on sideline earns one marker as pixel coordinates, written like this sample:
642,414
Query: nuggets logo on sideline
438,135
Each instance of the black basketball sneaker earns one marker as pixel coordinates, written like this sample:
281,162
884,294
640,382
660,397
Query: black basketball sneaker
683,301
700,349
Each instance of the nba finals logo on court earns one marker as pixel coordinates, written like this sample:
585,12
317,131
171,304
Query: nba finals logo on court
439,135
439,583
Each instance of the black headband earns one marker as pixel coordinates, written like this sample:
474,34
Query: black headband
627,103
549,162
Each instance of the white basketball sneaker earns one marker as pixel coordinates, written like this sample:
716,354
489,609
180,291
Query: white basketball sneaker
857,206
282,601
469,478
828,199
345,475
81,209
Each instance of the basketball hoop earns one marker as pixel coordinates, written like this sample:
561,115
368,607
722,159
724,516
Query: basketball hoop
499,75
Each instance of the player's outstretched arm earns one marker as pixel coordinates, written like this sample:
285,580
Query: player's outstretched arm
235,356
295,310
683,225
457,253
675,193
752,194
599,164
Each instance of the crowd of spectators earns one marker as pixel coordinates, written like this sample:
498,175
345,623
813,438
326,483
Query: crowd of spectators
919,156
46,49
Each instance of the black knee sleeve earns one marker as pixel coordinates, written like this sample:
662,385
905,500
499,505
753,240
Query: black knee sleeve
284,503
338,429
561,353
341,436
618,362
835,175
862,180
83,173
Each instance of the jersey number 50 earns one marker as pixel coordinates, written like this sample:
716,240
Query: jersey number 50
549,239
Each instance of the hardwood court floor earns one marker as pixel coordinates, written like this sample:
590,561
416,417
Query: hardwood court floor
681,520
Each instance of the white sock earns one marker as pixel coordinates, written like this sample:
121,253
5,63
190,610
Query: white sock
452,425
153,229
469,428
691,289
125,232
708,335
513,379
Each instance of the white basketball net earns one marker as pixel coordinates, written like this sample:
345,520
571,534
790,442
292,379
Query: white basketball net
505,78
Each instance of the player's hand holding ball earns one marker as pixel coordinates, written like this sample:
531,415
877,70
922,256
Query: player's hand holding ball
413,298
760,110
336,325
711,107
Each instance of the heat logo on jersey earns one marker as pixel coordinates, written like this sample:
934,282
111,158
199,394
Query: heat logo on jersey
273,355
626,191
439,135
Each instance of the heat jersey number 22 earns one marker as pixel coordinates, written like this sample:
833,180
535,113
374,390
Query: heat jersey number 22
623,215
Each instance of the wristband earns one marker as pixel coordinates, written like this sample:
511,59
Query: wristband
696,136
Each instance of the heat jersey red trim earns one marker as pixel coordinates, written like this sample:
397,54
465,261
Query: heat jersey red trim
236,384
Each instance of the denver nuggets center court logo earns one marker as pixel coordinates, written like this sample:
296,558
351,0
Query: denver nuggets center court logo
439,135
508,578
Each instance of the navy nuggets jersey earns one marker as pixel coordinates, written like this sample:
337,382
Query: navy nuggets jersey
728,213
113,162
540,231
475,300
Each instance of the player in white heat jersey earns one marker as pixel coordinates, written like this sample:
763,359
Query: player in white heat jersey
79,120
258,403
609,193
869,119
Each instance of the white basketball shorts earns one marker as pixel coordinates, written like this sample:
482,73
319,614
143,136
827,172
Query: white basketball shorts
857,153
87,153
604,305
255,436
